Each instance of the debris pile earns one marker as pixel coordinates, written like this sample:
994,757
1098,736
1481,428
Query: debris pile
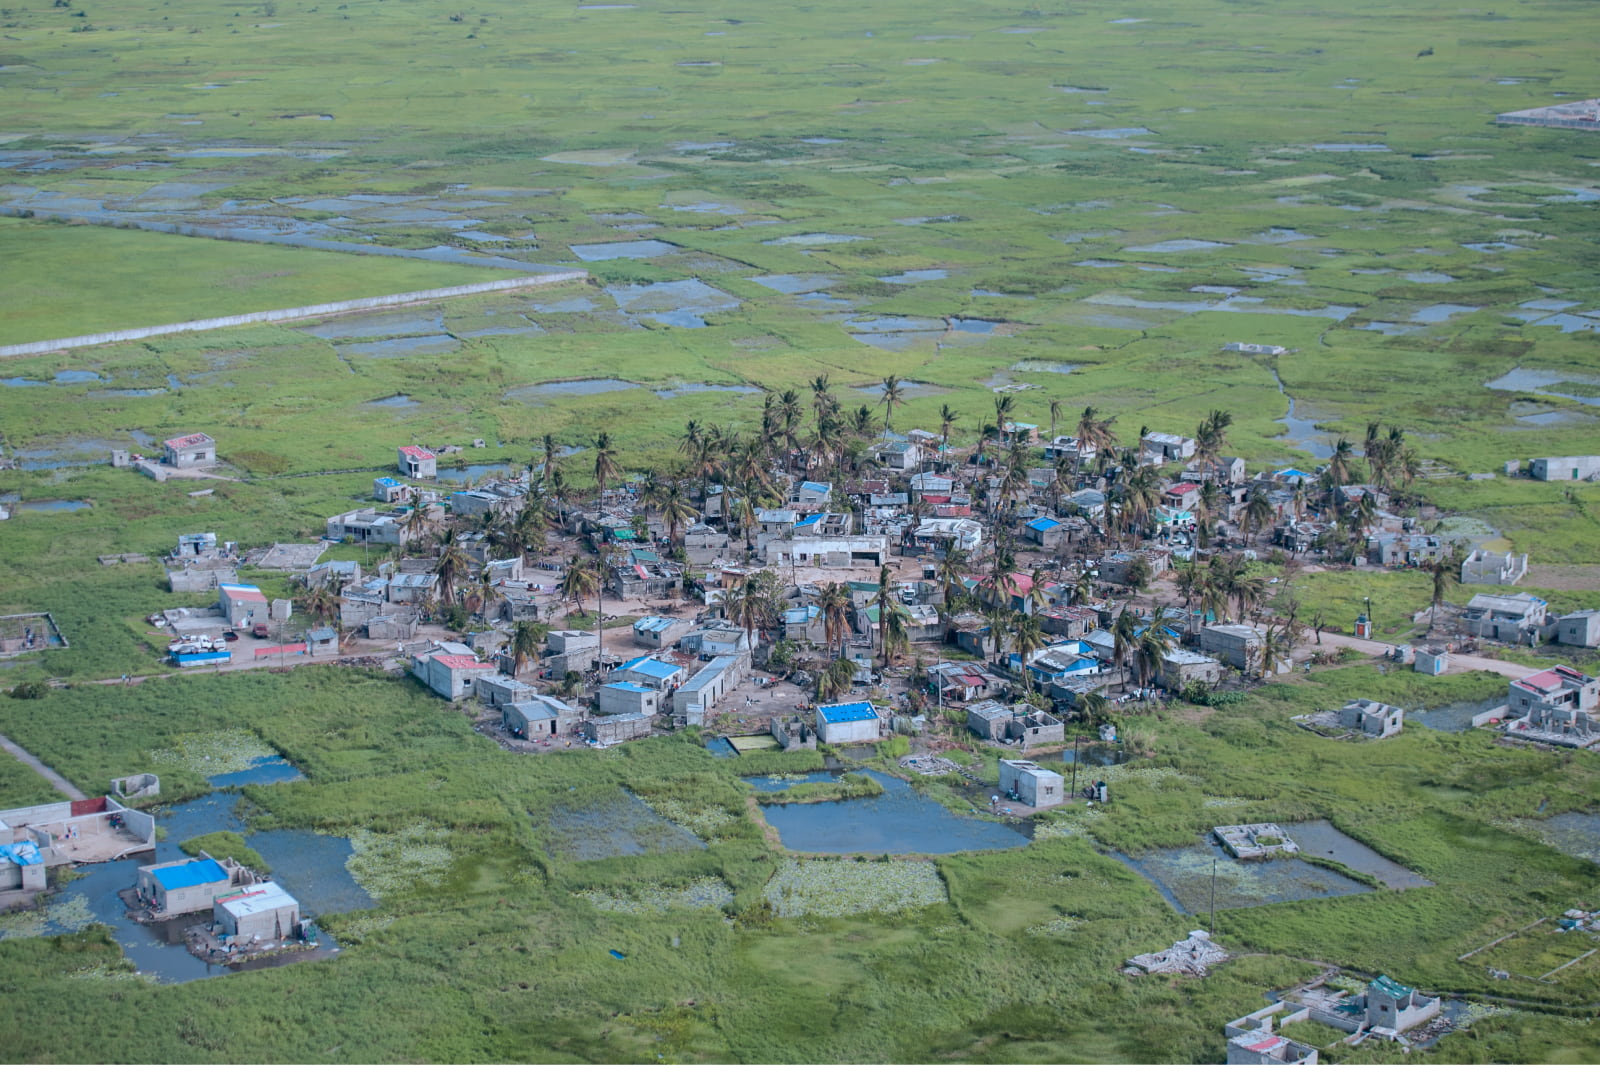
1193,956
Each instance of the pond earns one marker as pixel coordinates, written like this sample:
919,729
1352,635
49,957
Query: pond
618,824
900,821
1183,876
908,390
1576,833
626,249
392,324
463,474
55,506
309,866
592,386
695,387
1539,381
1182,244
266,769
437,344
789,780
796,284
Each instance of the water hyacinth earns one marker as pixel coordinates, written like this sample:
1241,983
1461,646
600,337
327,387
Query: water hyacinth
1050,829
1224,803
357,929
820,887
58,917
702,893
113,973
707,822
387,863
213,753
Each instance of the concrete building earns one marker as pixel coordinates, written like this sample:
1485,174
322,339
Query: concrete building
626,697
962,682
1513,618
1374,720
1029,783
660,633
1252,1040
829,551
1161,448
417,462
499,689
411,587
1254,349
1492,567
22,867
533,716
1236,645
1385,1009
1048,533
988,719
849,723
938,535
701,692
1579,629
187,885
1404,549
365,525
1181,667
651,673
616,729
805,624
1566,468
1560,691
450,670
793,733
242,604
388,490
261,911
189,452
1431,660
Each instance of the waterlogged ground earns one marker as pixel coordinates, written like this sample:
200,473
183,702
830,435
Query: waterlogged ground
1185,878
900,821
822,887
610,825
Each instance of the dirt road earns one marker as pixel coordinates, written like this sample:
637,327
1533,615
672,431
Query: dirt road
1458,663
56,780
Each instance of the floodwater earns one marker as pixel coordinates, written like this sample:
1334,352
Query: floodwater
1453,717
1570,323
438,344
894,324
1349,147
1184,876
973,325
1555,417
1097,755
908,389
463,474
62,377
267,769
1538,381
1231,305
1390,329
1111,134
912,277
809,239
1302,432
1101,264
796,284
1321,838
619,825
55,506
399,401
1428,277
694,387
1533,309
678,303
1576,833
784,783
1182,244
592,386
626,249
900,821
1493,246
1043,366
1441,312
1277,235
303,862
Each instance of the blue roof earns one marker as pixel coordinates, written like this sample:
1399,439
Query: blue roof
1044,524
651,667
388,482
814,486
624,686
842,712
25,853
811,519
654,624
199,871
801,614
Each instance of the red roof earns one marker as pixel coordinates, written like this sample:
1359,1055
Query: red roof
416,452
460,662
248,595
1269,1043
178,443
935,499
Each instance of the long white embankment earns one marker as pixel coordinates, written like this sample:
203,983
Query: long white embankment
285,314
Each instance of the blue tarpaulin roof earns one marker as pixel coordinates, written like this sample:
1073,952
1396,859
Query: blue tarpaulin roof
200,871
651,667
26,853
841,712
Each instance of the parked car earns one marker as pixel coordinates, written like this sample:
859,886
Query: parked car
230,635
260,630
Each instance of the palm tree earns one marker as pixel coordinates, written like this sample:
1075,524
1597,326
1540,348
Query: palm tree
676,510
529,526
524,645
833,604
751,604
1028,637
1124,636
1339,462
418,523
451,565
1444,572
894,394
885,602
581,580
947,421
1094,706
552,455
896,633
1211,437
1155,643
836,680
1055,416
606,469
1257,513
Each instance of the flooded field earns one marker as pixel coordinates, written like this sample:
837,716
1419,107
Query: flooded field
1453,717
1184,876
1321,838
616,825
900,821
592,386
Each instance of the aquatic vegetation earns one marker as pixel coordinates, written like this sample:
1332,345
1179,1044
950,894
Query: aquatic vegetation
1060,926
702,893
213,753
58,915
822,887
389,863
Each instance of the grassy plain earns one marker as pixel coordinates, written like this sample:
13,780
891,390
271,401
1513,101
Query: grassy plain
948,138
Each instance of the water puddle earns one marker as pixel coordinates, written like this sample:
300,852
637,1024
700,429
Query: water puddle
796,284
627,249
1453,717
1184,877
1493,246
1101,264
678,303
1233,304
1302,433
1541,382
981,326
1322,839
701,146
1390,329
377,325
54,506
1576,833
1428,277
1570,323
440,344
1276,235
127,393
1099,756
1181,244
908,390
1556,417
807,240
578,305
924,220
1043,366
820,140
62,377
696,387
894,324
617,825
789,780
819,299
912,277
1441,312
1354,147
900,821
1111,134
476,472
593,386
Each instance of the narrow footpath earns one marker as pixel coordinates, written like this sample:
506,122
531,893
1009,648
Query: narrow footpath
56,780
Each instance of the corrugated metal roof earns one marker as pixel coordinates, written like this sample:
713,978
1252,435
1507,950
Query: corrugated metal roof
259,898
839,713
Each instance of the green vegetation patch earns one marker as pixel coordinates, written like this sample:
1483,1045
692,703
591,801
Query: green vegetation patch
823,887
702,893
226,845
210,754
